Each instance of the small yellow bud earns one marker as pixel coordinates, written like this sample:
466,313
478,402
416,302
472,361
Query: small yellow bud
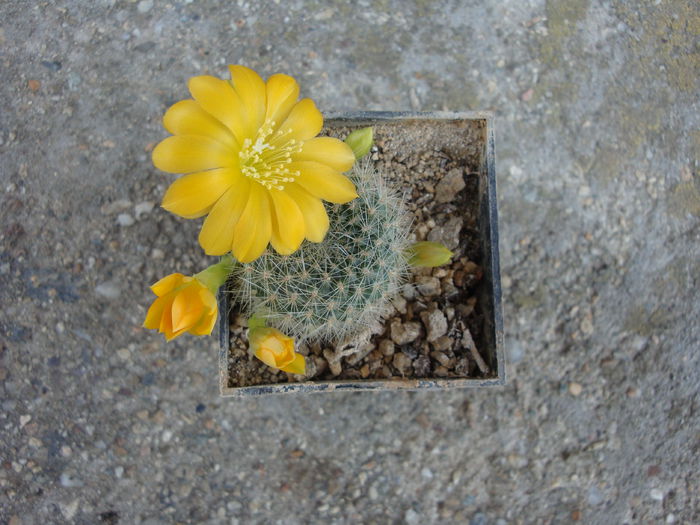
428,254
275,349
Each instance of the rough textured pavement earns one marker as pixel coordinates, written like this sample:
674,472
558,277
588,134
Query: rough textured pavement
598,147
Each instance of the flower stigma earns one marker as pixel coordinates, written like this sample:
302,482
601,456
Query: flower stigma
265,160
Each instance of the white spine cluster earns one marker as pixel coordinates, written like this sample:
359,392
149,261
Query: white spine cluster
330,290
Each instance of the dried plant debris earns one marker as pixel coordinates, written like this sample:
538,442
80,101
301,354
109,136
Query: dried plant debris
431,328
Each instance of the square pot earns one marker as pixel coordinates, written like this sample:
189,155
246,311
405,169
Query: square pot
473,135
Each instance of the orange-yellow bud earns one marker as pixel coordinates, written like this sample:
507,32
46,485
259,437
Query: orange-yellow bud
183,304
275,349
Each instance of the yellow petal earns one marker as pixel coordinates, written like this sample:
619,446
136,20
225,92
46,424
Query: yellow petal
217,231
282,94
297,366
188,118
266,356
169,283
186,309
329,151
221,101
188,153
324,182
251,90
193,195
154,314
315,216
252,233
166,320
288,230
305,120
206,325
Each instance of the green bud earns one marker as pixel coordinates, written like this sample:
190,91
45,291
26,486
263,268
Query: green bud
360,141
428,254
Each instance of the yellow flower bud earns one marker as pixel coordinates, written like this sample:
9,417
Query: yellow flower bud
183,304
275,349
428,254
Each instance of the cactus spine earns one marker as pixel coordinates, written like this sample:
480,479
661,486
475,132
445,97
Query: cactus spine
330,290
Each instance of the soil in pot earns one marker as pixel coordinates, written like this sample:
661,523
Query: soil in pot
433,328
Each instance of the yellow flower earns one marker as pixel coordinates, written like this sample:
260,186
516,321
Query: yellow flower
275,349
254,164
183,304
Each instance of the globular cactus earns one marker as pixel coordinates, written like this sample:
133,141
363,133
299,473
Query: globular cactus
334,289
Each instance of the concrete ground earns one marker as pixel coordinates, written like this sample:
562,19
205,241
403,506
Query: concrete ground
598,146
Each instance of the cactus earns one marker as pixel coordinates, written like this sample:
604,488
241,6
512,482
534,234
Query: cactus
333,289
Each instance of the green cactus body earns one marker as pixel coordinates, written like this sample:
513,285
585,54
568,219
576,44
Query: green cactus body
330,290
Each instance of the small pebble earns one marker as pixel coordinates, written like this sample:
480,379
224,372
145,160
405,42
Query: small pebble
125,220
595,497
386,347
402,363
143,208
428,286
656,494
435,323
450,185
575,389
403,333
108,289
144,6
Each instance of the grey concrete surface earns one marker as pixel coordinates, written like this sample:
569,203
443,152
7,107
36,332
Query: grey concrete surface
598,146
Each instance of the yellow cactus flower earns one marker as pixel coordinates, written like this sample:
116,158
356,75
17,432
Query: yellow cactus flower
253,164
183,304
275,349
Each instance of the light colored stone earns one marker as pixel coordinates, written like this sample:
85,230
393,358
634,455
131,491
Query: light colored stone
404,333
450,185
402,363
435,324
428,286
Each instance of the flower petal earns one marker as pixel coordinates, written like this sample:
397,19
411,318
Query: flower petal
188,153
304,121
324,182
169,283
193,195
221,101
288,230
282,93
327,150
206,325
315,216
266,356
252,233
217,231
251,90
187,310
297,366
188,118
154,314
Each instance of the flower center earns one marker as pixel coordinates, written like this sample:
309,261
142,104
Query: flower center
266,160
